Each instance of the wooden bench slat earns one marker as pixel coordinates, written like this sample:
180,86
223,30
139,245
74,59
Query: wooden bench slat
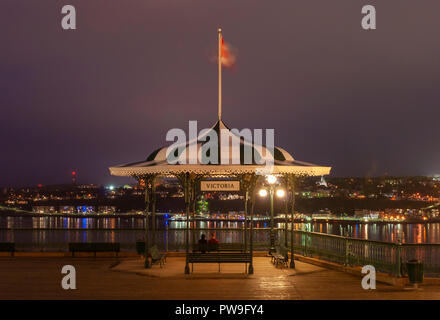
218,257
94,247
221,247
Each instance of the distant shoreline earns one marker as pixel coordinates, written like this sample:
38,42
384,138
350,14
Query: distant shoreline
22,213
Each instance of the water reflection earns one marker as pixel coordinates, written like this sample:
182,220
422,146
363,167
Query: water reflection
13,229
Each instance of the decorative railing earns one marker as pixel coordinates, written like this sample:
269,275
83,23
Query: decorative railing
384,256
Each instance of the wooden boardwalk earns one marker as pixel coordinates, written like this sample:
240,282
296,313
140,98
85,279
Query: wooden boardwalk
40,278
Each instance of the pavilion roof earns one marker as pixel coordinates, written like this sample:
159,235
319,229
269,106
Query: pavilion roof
157,163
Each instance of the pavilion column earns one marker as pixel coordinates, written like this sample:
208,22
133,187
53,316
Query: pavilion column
153,210
291,184
186,181
251,240
286,214
187,209
147,208
193,205
252,185
246,199
244,185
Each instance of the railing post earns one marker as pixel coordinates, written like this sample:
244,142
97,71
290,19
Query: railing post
398,262
347,248
306,238
166,234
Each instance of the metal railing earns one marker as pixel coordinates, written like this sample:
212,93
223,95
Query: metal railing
384,256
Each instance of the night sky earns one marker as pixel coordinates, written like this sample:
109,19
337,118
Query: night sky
364,102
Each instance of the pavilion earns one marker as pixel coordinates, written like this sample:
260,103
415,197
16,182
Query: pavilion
236,168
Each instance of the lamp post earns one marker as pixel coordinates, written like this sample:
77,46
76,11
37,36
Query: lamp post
272,232
272,180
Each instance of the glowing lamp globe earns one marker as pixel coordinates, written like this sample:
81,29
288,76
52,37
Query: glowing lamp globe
280,193
271,179
262,192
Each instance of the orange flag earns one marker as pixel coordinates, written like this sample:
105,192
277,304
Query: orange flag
228,56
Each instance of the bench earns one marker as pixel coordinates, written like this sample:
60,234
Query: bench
221,247
280,257
154,254
7,247
229,247
94,247
217,257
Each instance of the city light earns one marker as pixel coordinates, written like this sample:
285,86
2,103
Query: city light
262,192
280,193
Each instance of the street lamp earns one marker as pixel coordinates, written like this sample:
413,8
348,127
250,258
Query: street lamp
272,180
280,193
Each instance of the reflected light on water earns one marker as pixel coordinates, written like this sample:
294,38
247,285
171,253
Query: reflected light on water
45,229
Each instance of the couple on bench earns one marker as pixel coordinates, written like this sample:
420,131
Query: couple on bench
211,245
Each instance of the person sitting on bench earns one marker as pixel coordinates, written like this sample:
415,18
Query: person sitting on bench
213,243
203,244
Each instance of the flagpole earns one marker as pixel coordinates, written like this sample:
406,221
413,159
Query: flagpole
219,74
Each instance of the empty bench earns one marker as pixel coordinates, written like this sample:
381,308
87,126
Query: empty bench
153,253
218,257
94,247
280,257
7,247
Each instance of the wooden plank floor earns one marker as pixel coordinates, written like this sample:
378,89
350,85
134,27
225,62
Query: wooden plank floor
40,278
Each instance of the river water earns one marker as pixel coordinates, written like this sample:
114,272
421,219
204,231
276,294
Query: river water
53,233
